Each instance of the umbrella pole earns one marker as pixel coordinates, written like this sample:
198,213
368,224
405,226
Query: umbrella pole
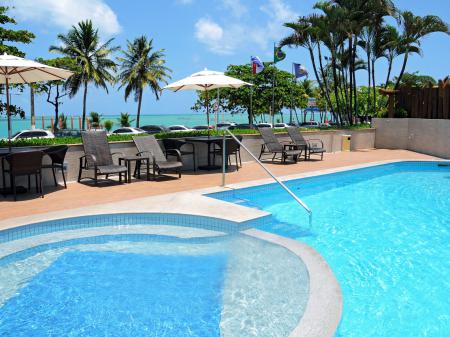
8,112
207,111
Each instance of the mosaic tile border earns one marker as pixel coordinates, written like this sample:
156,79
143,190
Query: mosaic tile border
128,219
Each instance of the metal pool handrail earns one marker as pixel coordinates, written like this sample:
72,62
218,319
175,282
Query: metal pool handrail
287,189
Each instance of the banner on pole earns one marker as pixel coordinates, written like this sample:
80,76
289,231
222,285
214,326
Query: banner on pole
312,102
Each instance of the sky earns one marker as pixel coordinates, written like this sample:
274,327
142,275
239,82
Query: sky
195,34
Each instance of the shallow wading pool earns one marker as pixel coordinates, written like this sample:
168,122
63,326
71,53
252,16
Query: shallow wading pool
385,231
147,275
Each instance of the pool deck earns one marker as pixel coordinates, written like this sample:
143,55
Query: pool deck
86,195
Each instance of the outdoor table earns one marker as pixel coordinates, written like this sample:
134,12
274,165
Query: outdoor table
302,147
138,160
4,151
209,141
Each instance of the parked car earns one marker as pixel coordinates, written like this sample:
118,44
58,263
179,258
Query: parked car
241,126
152,129
179,128
280,126
225,125
128,131
67,133
310,125
202,127
36,133
264,125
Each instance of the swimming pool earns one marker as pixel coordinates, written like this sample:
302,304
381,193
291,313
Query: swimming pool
147,275
384,230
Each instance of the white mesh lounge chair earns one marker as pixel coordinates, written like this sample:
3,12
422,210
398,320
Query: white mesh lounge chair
313,146
272,146
98,156
149,147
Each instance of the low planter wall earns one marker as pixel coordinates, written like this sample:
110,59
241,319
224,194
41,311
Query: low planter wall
361,139
429,136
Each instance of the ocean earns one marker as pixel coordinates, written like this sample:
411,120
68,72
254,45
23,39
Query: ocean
188,120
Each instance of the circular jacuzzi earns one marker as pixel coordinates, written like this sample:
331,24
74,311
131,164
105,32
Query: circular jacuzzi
147,275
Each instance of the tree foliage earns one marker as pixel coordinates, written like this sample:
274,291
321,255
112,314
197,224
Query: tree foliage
347,36
256,100
92,58
55,90
8,39
142,67
8,35
415,80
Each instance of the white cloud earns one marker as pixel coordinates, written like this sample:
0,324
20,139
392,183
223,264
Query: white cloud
279,12
211,34
236,7
66,13
238,33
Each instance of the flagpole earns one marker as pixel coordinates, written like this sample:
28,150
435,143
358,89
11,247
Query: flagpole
292,102
273,86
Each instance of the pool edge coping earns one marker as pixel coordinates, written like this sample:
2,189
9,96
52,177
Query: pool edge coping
295,176
323,310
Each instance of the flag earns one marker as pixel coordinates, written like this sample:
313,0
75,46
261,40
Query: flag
257,65
278,54
299,70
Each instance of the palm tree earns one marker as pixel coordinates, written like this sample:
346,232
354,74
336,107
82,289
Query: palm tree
125,119
391,46
414,29
82,43
140,67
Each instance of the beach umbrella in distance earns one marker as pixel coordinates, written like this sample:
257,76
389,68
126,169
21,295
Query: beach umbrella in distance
17,70
206,80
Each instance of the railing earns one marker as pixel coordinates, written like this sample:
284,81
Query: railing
297,199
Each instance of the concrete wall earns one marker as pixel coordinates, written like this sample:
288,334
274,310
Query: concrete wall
361,139
429,136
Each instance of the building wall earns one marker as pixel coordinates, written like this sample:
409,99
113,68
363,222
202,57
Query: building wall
361,139
429,136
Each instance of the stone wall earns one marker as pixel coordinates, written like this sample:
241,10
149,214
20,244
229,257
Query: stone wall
429,136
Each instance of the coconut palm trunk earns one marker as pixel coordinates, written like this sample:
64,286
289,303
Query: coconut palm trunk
369,100
374,87
325,80
138,117
83,123
389,72
405,61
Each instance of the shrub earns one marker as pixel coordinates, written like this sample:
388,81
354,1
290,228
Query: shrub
108,125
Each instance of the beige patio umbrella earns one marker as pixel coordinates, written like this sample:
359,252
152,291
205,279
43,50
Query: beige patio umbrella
16,70
206,80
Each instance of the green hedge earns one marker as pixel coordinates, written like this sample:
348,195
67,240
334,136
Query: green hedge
119,138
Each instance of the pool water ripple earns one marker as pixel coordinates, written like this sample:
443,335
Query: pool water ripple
385,231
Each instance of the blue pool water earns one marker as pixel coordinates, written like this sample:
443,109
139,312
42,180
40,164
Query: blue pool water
109,288
385,231
139,276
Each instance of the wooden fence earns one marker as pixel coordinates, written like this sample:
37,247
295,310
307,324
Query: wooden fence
428,103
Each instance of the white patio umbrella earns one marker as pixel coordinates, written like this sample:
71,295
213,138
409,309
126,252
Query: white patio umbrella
15,70
206,80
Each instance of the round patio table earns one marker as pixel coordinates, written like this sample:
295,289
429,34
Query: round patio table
209,141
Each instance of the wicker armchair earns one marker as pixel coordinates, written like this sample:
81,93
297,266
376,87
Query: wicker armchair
25,164
57,154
